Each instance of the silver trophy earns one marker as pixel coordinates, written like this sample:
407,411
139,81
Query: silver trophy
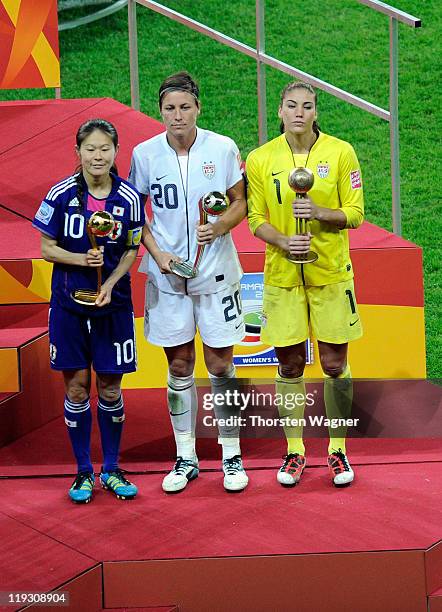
213,203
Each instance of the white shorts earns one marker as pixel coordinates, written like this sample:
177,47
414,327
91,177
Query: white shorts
171,319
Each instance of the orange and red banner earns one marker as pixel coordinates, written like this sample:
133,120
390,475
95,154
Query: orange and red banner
29,44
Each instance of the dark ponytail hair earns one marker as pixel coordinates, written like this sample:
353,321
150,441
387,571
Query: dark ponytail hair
298,85
83,132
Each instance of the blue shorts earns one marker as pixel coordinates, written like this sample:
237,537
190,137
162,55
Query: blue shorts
77,341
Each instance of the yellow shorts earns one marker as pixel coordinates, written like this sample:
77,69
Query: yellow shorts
330,310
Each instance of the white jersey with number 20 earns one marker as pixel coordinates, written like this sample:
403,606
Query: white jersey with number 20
175,186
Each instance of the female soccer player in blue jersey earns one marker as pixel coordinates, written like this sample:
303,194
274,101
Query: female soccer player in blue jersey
319,294
176,168
102,334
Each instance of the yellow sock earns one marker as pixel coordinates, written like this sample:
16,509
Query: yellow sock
291,404
338,398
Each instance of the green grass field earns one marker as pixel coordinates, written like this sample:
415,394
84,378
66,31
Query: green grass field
339,41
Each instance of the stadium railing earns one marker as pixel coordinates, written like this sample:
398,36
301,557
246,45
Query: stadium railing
263,59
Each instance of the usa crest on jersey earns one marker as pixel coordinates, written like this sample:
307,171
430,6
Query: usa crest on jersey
209,170
323,170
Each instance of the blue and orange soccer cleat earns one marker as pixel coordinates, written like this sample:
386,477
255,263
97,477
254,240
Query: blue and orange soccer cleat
119,485
81,489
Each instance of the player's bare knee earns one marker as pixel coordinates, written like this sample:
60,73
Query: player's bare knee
333,370
181,367
220,368
77,394
110,393
291,370
293,367
221,371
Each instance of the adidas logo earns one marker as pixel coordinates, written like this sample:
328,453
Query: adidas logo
74,202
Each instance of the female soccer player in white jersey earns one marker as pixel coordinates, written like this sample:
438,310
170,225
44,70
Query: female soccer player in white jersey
319,294
176,168
101,335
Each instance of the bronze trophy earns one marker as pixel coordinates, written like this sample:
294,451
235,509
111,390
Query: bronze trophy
301,181
213,203
101,223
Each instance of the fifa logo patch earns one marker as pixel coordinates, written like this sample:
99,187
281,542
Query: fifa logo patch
323,170
44,213
355,179
209,170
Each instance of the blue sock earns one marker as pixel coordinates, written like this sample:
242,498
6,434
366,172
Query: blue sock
78,418
110,420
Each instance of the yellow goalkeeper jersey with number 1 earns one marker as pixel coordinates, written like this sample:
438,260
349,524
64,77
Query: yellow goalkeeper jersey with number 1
338,184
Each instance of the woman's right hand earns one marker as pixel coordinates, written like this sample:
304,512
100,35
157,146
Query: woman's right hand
94,257
164,259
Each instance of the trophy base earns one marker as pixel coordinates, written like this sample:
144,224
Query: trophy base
304,258
185,269
86,297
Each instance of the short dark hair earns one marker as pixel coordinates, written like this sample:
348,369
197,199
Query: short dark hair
181,81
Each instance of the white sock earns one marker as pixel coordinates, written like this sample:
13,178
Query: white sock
228,435
182,402
230,447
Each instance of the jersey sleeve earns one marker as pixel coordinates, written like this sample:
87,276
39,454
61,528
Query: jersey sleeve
256,202
350,188
234,174
136,224
48,217
139,171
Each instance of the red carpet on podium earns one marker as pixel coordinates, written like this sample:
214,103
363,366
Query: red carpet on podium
373,546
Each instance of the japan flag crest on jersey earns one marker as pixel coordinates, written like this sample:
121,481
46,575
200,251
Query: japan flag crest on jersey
209,170
116,232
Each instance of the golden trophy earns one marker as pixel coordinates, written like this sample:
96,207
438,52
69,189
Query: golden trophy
213,203
301,181
101,223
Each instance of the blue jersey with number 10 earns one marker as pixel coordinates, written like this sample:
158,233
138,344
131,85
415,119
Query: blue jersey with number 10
61,218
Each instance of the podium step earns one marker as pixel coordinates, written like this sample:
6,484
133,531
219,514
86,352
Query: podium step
32,393
23,315
150,609
12,339
435,601
5,396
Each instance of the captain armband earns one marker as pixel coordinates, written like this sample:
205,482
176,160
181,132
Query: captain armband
134,237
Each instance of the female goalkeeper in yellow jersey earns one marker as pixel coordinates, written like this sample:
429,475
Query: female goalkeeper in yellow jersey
319,294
